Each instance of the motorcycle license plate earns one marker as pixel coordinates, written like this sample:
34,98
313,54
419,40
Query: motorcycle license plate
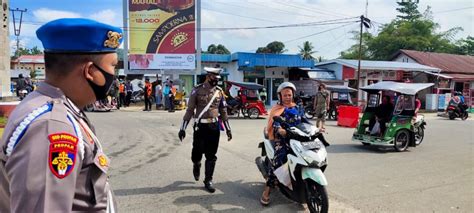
311,145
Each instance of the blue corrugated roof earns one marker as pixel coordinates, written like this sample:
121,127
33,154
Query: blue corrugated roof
270,60
215,58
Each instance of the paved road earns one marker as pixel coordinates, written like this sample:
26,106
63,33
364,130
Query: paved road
151,169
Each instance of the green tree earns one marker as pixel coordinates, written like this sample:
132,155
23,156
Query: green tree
26,51
263,50
353,51
413,34
35,51
273,47
465,46
409,10
217,49
306,50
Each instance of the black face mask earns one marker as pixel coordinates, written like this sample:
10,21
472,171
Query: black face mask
213,82
101,91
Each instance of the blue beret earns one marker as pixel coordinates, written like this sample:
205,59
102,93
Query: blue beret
78,35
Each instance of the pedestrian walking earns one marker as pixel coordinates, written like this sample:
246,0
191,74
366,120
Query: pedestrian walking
166,93
207,106
158,95
114,95
147,94
171,97
121,94
50,158
321,105
129,90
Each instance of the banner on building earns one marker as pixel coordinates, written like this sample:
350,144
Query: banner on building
162,34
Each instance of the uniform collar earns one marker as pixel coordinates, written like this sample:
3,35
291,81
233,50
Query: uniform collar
207,85
50,90
73,106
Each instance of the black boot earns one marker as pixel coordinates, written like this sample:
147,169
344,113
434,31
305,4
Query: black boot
196,170
323,140
209,172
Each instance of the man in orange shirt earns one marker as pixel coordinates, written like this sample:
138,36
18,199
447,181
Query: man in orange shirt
121,101
147,94
171,96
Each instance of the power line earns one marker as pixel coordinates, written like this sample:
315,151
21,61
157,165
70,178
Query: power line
314,10
313,34
446,11
284,11
249,17
336,39
306,24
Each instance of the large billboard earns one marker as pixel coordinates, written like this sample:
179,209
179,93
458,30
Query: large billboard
162,34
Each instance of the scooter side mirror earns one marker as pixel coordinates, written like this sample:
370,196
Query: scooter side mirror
278,119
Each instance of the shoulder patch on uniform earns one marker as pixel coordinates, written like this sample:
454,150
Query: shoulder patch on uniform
62,154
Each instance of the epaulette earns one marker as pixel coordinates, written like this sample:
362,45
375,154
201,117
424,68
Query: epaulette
24,124
51,107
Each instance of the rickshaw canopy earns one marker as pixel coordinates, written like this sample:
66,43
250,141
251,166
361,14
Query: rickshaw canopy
403,88
246,85
340,88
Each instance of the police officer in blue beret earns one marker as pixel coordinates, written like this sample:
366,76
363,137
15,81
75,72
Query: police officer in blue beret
50,157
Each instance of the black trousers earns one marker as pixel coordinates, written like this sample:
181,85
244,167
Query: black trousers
205,141
122,100
171,100
128,98
147,102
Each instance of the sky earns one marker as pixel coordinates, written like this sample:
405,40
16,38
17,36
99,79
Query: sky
328,40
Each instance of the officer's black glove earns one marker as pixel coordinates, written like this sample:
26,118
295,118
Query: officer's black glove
229,135
181,135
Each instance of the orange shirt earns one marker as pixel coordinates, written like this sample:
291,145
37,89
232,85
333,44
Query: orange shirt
122,88
148,89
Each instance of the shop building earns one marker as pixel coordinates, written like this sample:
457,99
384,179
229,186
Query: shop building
375,71
456,71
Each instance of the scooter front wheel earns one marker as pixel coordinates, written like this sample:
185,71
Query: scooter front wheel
316,197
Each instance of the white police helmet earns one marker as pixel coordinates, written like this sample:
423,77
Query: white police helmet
215,71
286,85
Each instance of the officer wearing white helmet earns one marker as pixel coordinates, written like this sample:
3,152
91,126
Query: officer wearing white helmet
208,107
288,111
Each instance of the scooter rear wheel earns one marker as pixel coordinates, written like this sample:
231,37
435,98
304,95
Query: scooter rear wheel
316,197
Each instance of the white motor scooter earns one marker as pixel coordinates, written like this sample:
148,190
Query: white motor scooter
301,178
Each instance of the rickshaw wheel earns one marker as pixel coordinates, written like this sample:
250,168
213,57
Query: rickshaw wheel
419,135
402,139
253,113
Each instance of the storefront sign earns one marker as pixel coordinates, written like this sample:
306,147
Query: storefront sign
162,61
162,30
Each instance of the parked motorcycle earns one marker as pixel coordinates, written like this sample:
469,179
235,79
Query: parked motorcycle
137,96
454,111
301,178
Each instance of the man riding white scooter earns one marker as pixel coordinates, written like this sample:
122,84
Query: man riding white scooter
288,110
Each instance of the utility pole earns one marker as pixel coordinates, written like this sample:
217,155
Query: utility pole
363,22
17,30
198,41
